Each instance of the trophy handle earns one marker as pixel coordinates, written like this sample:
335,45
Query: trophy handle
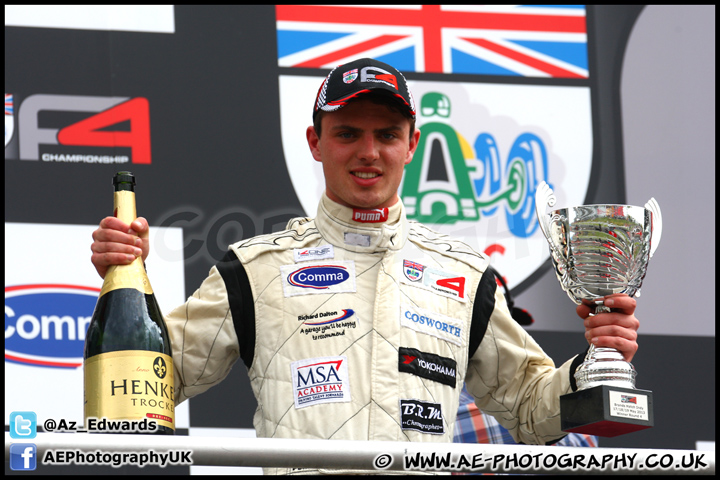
653,206
544,197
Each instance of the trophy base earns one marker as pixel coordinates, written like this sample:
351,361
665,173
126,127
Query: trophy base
606,411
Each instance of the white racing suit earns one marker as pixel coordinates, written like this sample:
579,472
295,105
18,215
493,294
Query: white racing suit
365,330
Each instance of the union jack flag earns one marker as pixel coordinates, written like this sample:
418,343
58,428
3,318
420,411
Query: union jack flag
518,40
8,104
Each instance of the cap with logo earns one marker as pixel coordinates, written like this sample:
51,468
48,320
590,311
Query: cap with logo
346,82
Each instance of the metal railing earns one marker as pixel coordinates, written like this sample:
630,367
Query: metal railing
408,457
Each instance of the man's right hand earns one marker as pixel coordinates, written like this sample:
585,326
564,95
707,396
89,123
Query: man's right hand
117,243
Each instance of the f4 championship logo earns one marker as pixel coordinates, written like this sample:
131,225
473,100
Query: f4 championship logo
78,129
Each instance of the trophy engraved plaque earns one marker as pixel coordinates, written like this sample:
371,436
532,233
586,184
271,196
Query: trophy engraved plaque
599,250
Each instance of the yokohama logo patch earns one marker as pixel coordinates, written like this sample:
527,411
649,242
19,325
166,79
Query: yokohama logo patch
320,380
428,365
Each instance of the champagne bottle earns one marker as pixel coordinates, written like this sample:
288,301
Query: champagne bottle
128,358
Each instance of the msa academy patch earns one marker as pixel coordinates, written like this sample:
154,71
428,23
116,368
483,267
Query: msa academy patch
320,380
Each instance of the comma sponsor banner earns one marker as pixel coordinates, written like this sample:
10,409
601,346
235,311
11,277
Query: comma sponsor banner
45,324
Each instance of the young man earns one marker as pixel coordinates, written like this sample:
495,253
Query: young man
359,324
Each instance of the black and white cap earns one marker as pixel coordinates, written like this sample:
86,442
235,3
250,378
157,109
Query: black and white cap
346,82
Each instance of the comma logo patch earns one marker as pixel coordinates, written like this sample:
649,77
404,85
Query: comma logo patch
318,278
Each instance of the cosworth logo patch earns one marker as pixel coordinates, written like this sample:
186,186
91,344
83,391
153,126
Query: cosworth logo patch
320,380
431,323
316,278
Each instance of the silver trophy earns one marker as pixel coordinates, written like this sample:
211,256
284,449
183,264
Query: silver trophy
600,250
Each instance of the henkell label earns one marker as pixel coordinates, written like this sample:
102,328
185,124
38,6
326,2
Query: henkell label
130,384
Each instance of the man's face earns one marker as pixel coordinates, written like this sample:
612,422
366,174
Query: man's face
363,150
